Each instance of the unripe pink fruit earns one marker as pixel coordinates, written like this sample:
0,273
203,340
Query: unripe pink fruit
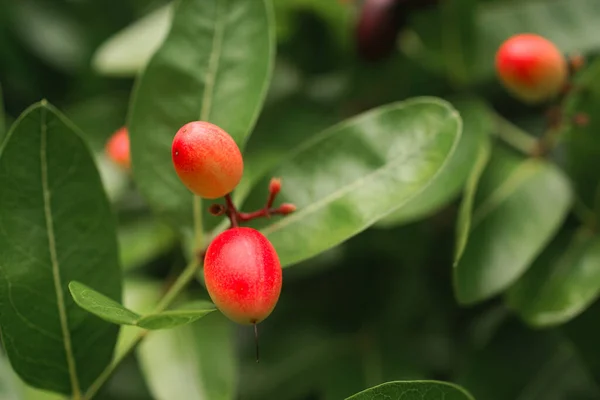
117,148
243,275
207,159
531,67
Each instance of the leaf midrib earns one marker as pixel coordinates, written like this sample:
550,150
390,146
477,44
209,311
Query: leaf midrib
54,257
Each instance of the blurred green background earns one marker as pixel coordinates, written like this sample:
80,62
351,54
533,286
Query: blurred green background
379,307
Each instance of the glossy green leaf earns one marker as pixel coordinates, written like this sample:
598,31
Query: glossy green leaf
192,362
520,363
48,237
568,23
581,141
518,208
449,182
562,282
417,390
358,171
215,66
143,241
112,311
129,50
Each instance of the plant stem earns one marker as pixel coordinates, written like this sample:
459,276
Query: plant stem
186,277
515,136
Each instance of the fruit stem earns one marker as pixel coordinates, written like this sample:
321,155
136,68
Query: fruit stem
231,211
186,277
256,341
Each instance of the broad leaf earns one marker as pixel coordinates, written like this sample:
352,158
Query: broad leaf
129,50
581,141
519,206
519,363
112,311
193,362
358,171
449,182
568,23
562,282
56,226
214,66
421,390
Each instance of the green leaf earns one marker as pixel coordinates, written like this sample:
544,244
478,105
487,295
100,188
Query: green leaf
215,66
570,24
562,282
56,226
192,362
129,50
448,183
519,363
418,390
581,142
583,333
112,311
358,171
519,206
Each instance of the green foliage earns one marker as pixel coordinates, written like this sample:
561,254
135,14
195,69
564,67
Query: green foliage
48,238
482,200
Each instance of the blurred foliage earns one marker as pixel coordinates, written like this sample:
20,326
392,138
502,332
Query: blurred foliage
379,307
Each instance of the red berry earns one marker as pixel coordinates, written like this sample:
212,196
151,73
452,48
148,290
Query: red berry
207,159
531,67
243,275
117,148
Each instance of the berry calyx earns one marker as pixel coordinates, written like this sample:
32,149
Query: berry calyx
117,148
531,67
243,275
207,159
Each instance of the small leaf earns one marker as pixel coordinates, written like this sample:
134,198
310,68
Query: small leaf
215,66
173,318
357,172
112,311
101,305
129,50
421,390
448,183
519,206
561,283
192,362
55,226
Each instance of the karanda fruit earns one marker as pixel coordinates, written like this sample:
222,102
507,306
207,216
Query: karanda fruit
117,148
531,67
207,159
243,275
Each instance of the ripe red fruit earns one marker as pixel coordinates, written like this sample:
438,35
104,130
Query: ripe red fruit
117,148
531,67
207,159
243,275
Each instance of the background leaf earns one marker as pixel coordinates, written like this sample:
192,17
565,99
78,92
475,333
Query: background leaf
449,182
426,390
214,65
358,171
520,204
3,126
129,50
561,283
194,362
48,237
